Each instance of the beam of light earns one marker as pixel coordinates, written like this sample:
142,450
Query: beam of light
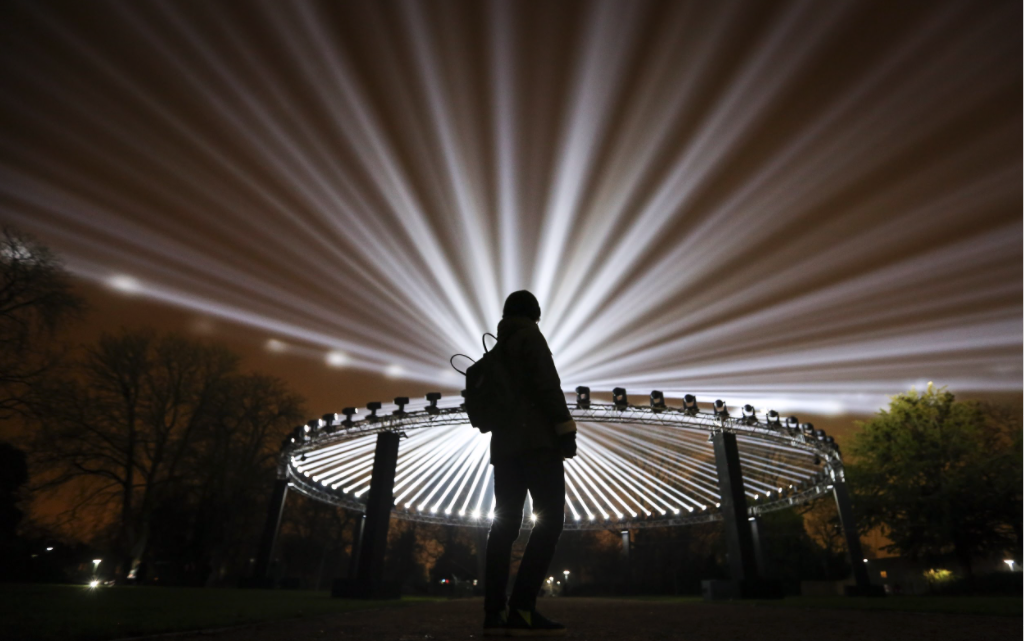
709,199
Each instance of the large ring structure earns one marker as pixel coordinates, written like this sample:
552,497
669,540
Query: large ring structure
637,466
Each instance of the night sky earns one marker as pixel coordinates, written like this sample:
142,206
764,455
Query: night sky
805,206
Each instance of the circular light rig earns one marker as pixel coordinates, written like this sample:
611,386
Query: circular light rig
637,465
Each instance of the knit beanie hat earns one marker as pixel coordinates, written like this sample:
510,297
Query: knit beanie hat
521,304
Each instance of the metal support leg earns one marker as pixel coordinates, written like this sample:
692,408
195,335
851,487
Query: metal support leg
369,579
269,536
740,542
747,582
357,537
480,535
625,561
757,534
860,572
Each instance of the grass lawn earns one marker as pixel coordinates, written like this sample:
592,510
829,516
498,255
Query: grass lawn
995,606
78,613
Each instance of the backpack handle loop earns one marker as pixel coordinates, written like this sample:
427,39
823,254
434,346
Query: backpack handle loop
451,361
483,339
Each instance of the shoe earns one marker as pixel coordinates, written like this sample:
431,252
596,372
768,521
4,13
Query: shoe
496,624
530,623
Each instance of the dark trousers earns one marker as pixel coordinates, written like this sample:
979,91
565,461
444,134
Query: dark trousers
542,475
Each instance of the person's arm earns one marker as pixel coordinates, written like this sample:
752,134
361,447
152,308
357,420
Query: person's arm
546,390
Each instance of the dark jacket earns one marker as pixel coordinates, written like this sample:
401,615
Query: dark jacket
544,415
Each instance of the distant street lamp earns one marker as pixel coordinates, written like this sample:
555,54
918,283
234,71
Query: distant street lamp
565,584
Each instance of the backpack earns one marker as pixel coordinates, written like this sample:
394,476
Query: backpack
492,398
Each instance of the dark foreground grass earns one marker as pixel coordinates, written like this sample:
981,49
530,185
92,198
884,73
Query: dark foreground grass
78,613
985,605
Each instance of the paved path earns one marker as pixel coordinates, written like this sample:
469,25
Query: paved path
629,620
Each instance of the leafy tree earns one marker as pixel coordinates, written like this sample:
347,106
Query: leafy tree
939,476
36,302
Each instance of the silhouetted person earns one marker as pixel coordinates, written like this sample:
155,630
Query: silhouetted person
527,459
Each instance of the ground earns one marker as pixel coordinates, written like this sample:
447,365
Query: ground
629,620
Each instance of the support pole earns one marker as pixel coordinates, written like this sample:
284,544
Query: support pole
625,561
862,583
369,579
740,541
757,534
261,576
746,581
481,556
357,536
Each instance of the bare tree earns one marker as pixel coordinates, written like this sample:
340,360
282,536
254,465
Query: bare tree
125,420
36,302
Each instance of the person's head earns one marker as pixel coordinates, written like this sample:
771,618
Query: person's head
521,304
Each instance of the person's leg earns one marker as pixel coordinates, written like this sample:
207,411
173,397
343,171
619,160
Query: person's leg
546,479
509,496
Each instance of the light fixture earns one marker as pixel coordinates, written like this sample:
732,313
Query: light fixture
690,404
583,397
330,420
657,401
433,398
619,398
749,414
720,410
373,406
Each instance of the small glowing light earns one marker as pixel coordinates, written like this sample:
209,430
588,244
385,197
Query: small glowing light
1010,563
337,359
490,515
125,284
865,560
49,549
94,583
394,371
533,517
566,573
274,345
97,561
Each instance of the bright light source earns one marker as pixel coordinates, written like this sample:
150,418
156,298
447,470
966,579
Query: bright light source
337,359
394,371
125,284
94,583
49,549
